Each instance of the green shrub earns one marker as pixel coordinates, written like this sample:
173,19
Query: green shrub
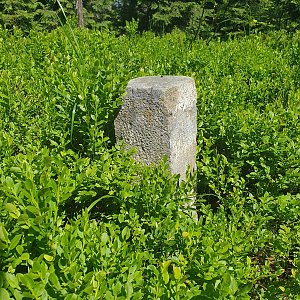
80,219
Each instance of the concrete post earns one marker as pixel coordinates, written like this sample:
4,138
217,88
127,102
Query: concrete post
158,118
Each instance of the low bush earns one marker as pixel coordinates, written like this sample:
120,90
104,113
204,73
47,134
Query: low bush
80,219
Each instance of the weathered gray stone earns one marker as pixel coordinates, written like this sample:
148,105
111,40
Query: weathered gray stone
158,118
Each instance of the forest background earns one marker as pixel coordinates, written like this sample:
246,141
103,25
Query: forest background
202,18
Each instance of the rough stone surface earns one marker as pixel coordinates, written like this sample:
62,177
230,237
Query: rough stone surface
158,118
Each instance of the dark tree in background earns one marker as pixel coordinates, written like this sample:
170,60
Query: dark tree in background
79,9
26,14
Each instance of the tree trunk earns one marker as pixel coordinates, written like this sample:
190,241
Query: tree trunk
79,8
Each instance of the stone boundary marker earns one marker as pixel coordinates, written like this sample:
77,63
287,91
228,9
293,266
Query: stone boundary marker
159,117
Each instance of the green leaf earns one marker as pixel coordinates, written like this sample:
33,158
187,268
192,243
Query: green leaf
104,238
34,210
109,296
4,295
29,184
13,210
9,182
27,280
71,297
14,242
54,280
233,287
12,280
2,274
246,289
229,285
165,276
20,249
125,233
177,272
48,257
128,289
117,288
3,234
25,256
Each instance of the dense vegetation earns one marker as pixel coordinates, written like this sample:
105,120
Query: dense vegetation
80,219
200,18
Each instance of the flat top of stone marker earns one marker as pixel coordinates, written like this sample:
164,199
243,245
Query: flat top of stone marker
159,82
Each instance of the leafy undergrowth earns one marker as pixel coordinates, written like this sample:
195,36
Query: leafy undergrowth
80,219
